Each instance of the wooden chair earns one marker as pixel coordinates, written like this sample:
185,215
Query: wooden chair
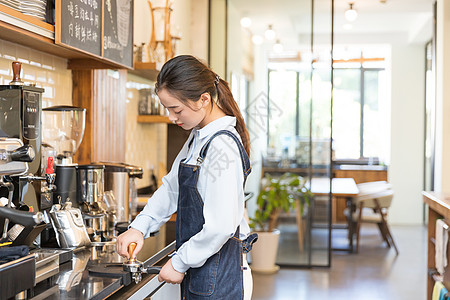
371,206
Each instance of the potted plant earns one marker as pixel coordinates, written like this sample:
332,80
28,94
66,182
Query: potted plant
277,194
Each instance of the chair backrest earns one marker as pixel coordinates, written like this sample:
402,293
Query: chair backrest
380,190
373,187
384,199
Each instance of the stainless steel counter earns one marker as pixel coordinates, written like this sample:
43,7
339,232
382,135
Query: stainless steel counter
74,281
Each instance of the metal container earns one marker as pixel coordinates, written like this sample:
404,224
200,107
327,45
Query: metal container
69,226
90,183
120,180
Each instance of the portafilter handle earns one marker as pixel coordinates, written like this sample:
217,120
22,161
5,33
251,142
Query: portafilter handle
24,218
131,248
24,154
132,265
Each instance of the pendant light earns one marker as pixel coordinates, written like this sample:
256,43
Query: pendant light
246,22
269,33
277,47
351,14
257,39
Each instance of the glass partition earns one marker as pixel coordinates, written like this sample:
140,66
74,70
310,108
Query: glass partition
282,80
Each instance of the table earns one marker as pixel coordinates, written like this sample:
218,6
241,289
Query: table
343,188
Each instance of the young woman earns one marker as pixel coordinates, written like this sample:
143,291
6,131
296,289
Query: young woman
205,187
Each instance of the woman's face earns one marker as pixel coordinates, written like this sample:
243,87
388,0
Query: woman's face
187,117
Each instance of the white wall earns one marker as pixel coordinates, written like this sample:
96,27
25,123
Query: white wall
407,132
442,171
407,97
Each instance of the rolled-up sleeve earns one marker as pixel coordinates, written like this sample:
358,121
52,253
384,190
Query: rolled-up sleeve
223,204
163,203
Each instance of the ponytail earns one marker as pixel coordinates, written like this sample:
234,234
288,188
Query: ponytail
229,106
187,78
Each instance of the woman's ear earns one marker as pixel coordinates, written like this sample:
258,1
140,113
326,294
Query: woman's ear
205,99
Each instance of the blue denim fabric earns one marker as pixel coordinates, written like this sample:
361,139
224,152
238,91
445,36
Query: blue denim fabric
221,276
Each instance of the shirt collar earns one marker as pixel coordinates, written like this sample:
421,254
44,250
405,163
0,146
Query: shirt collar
216,125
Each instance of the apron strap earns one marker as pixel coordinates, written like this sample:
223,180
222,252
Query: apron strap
246,167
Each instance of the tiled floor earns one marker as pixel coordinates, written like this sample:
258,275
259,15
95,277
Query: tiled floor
374,273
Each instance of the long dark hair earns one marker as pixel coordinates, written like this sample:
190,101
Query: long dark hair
187,78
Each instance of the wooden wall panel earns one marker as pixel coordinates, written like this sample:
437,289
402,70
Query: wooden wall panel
82,95
103,93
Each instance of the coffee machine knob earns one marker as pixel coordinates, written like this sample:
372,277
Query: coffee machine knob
24,153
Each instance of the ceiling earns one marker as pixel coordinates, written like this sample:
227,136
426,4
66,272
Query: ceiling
291,19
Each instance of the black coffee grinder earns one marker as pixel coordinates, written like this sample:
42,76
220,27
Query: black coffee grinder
20,117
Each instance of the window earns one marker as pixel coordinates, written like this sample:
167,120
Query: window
360,113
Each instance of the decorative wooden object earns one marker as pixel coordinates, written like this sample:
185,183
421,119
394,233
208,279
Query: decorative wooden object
166,41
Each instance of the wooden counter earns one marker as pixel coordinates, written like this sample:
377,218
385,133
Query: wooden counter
438,208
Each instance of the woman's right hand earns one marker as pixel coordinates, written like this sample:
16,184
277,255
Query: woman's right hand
130,236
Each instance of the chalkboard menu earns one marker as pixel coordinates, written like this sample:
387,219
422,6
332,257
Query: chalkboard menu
118,31
79,24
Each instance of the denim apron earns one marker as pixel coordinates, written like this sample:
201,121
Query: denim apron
221,276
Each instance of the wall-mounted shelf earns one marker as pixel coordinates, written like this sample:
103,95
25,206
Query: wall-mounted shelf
153,119
146,70
31,32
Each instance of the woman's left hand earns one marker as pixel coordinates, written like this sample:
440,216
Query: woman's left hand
169,274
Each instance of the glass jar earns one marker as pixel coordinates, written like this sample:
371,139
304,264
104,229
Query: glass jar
154,102
143,105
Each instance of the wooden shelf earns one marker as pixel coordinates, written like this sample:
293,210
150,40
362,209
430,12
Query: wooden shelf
31,32
153,119
146,70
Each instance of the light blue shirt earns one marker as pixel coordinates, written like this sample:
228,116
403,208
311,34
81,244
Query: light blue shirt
220,186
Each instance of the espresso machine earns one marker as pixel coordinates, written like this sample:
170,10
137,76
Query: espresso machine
20,117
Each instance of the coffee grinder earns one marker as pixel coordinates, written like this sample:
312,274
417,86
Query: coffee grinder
63,130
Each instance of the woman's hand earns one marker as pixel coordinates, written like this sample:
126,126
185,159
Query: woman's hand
130,236
169,274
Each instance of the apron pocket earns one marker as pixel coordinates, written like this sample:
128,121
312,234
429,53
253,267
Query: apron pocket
202,280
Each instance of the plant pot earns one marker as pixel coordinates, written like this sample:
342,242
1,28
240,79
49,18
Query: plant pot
264,252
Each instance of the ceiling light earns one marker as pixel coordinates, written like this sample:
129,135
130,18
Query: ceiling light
246,22
277,47
351,14
347,26
257,39
269,33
